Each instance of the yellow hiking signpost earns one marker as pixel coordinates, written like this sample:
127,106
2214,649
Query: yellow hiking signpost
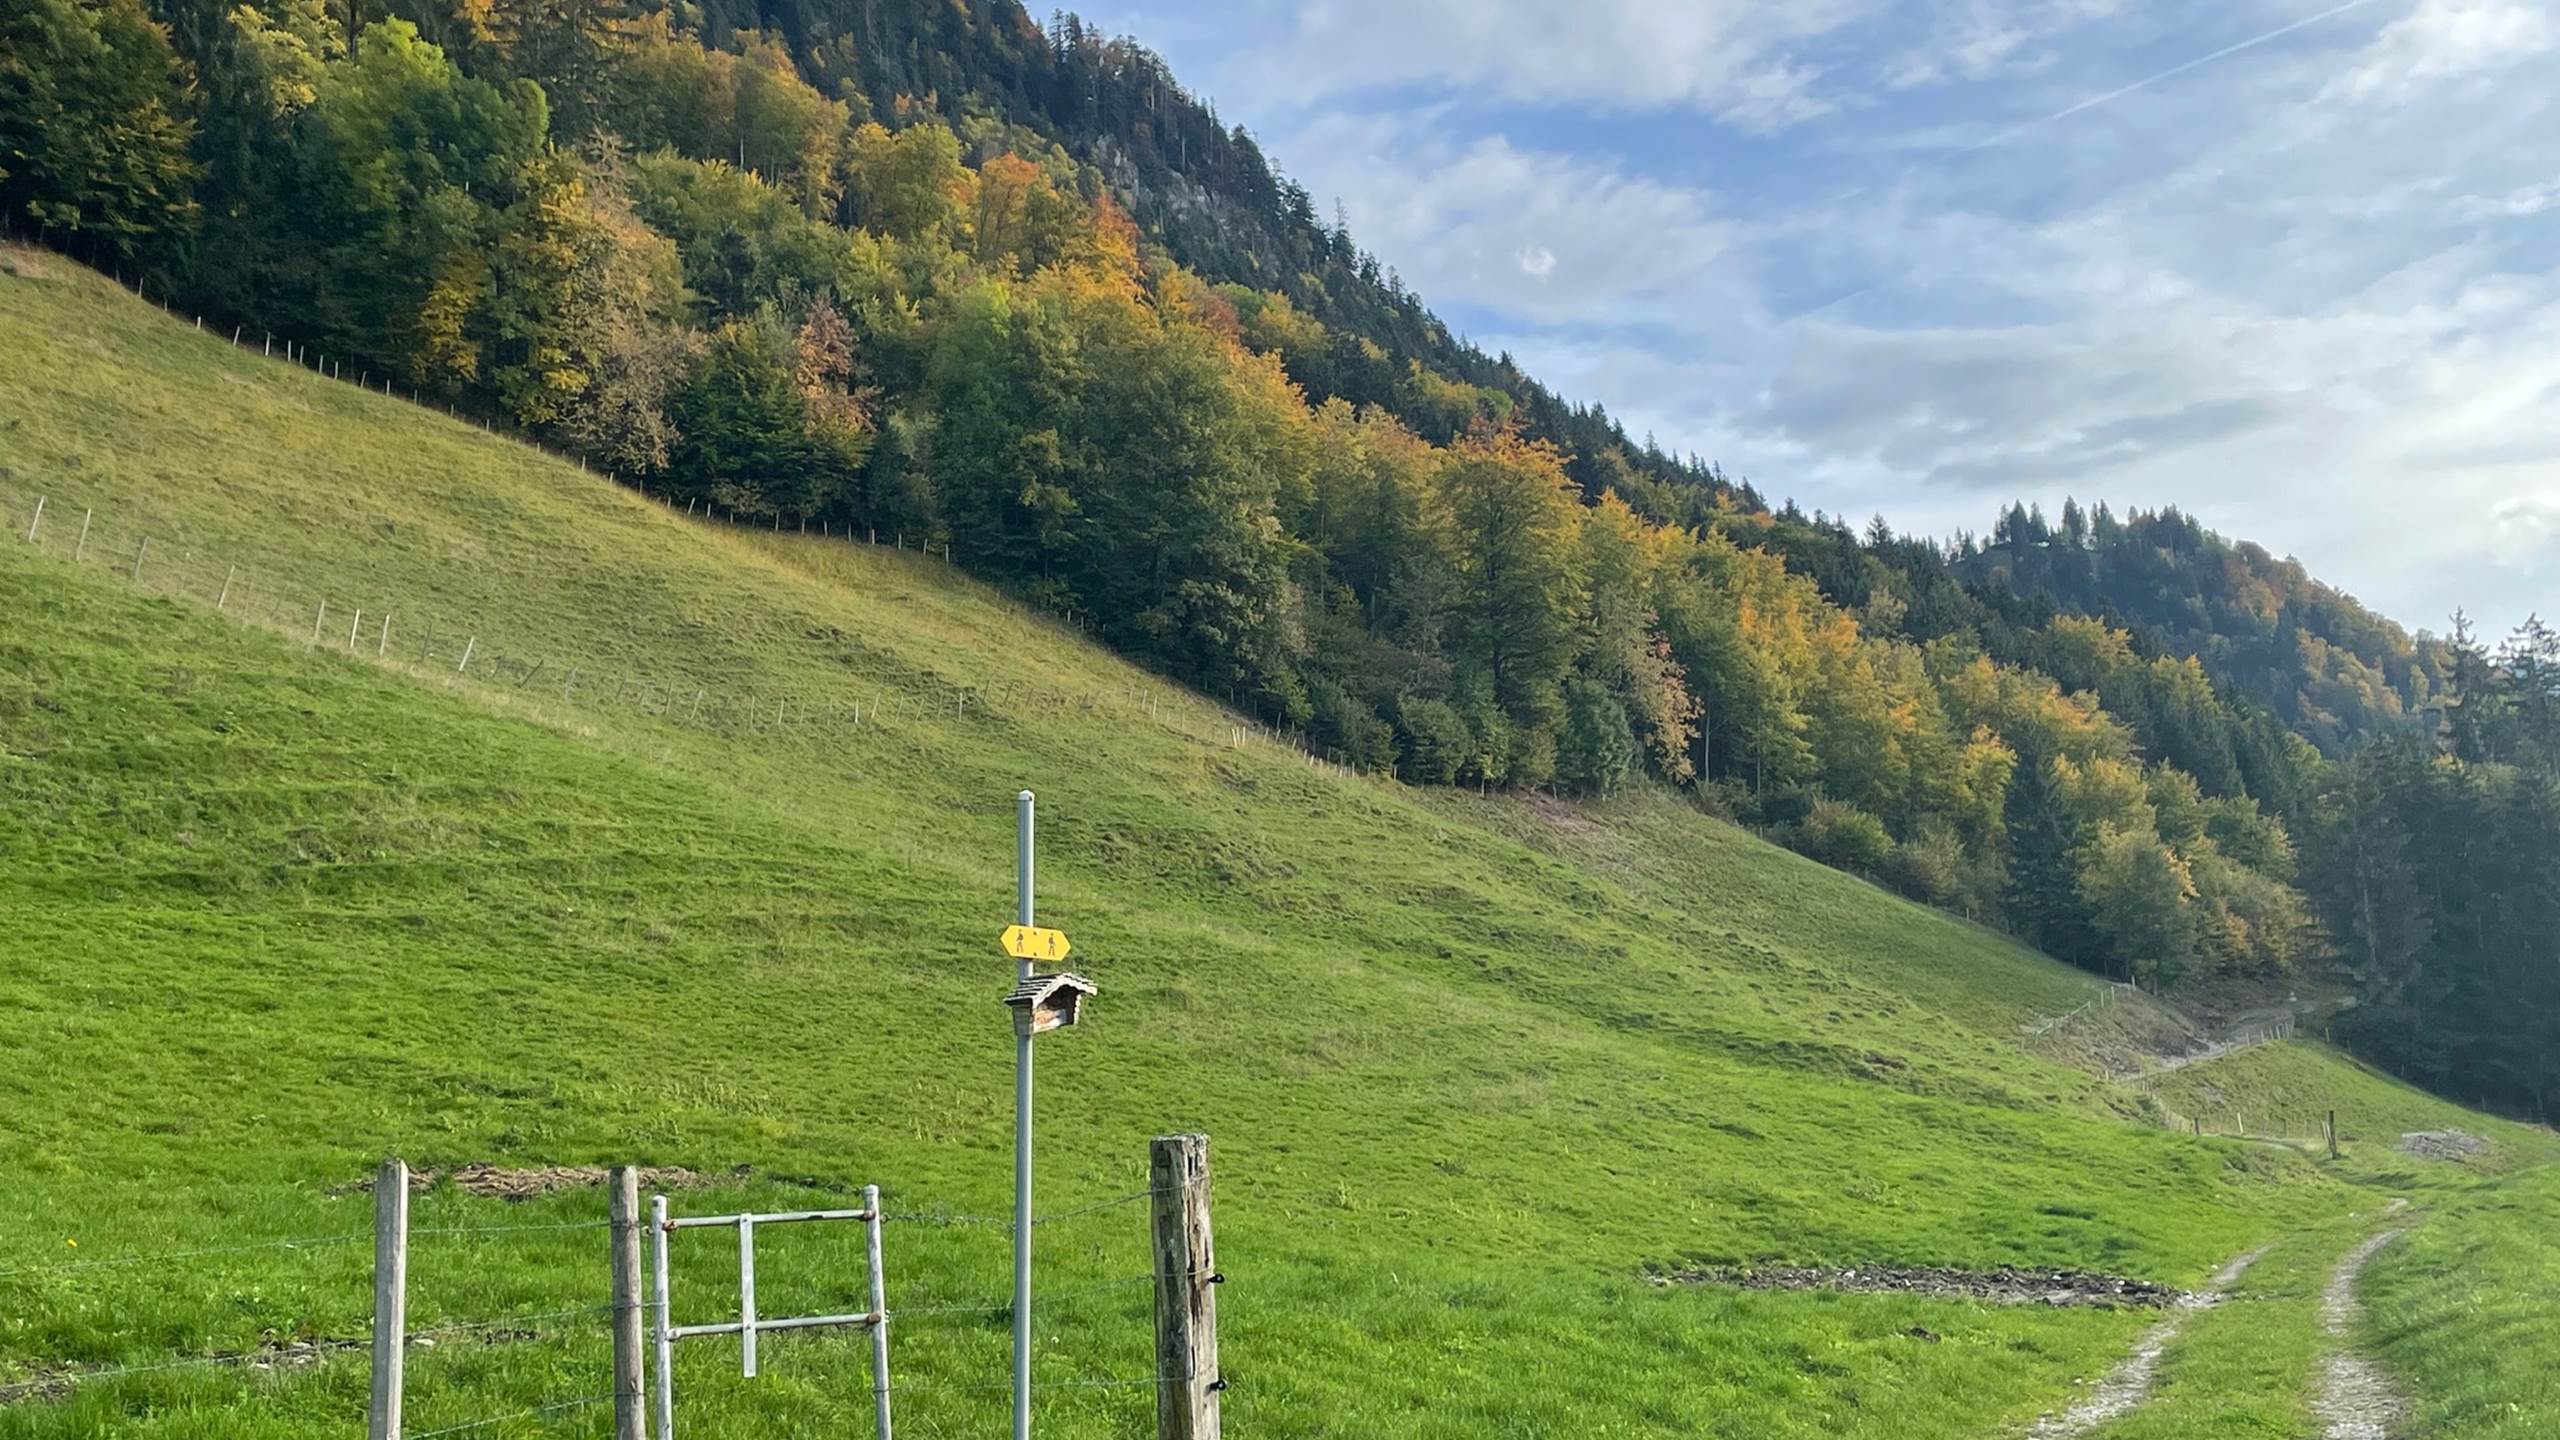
1030,942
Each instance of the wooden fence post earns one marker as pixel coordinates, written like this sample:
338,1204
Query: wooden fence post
390,1295
2333,1134
624,1191
1188,1382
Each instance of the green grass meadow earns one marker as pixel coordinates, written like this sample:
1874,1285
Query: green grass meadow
2462,1308
642,884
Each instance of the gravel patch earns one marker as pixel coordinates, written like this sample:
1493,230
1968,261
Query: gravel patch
2058,1288
2454,1145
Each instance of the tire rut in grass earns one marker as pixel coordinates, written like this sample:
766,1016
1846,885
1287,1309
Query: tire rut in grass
2129,1384
2357,1401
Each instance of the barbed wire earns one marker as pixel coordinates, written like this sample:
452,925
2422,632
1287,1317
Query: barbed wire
1005,1222
1045,1297
1054,1216
897,1387
316,1353
504,1322
535,1413
319,1353
307,1242
510,1229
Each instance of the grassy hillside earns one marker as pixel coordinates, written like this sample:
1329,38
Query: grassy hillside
2284,1091
641,883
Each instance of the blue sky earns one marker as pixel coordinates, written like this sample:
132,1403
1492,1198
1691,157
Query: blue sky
2291,265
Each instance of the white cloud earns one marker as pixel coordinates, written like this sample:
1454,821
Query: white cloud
2516,204
1972,40
2297,270
1727,58
2445,40
1466,220
2528,530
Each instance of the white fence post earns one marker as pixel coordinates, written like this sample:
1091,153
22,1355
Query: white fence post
390,1295
879,1314
747,1296
662,1324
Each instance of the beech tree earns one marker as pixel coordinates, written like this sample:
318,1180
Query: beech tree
94,126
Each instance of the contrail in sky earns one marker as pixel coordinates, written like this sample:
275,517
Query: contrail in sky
2092,103
2146,82
2121,91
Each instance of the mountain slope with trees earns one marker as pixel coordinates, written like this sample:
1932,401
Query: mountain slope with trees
938,271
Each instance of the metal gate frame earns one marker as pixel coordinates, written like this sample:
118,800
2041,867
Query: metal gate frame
665,1332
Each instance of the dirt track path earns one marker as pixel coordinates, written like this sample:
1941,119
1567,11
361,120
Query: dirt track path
2129,1384
2357,1401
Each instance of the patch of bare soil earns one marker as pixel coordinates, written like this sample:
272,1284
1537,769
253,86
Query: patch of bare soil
2356,1401
2129,1384
2454,1145
2059,1288
512,1182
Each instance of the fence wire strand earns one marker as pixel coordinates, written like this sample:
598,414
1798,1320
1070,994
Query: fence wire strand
308,1242
535,1413
320,1354
511,1229
1044,1298
504,1322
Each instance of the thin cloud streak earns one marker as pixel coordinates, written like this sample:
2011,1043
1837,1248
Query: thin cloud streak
2173,72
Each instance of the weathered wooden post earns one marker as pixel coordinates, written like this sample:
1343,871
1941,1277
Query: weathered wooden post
2333,1134
1187,1278
39,520
138,552
390,1295
628,1412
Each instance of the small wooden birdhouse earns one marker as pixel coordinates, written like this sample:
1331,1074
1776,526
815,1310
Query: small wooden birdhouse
1047,1002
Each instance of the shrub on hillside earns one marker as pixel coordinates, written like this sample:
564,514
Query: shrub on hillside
1438,746
1842,836
1346,729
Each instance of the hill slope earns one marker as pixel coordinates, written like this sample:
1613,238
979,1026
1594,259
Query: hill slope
639,883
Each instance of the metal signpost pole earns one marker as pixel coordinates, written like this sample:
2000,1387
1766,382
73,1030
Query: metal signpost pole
1022,1150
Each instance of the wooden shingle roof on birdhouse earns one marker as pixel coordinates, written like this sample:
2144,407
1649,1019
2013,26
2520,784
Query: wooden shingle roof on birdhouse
1048,1002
